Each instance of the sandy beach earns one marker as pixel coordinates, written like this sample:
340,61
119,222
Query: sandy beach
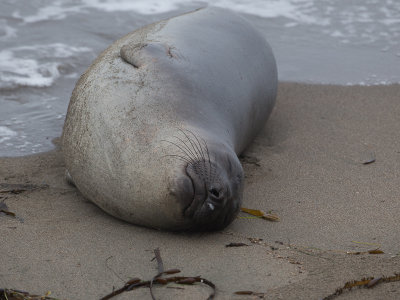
327,163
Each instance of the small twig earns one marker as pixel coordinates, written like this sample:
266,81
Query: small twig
159,260
160,266
108,267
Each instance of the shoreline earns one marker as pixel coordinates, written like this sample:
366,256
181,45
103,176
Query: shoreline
305,83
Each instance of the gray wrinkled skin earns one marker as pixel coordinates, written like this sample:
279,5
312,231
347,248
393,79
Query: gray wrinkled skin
154,126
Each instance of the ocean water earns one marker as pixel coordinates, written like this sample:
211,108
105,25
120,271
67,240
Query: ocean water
46,44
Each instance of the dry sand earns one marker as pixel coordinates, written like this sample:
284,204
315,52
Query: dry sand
310,172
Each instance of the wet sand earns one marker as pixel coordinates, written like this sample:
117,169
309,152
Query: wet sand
327,163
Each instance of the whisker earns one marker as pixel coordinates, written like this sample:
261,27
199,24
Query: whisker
195,148
198,142
180,148
201,148
208,155
198,146
186,146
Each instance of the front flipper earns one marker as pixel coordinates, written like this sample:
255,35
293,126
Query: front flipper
144,53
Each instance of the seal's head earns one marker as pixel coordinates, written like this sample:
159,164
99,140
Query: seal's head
210,187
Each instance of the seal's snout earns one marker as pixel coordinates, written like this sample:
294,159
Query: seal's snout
216,194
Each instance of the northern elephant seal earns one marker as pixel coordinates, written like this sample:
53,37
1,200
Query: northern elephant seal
154,126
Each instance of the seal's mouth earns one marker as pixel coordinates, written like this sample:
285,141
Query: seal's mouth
213,206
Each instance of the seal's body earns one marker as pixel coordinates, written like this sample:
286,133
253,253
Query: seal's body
154,126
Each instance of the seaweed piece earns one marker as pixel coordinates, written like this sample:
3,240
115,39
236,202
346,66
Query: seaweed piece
17,188
236,245
10,294
374,251
161,280
260,214
250,293
368,282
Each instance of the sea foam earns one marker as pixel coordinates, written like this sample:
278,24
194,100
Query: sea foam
6,31
20,66
299,10
6,133
359,21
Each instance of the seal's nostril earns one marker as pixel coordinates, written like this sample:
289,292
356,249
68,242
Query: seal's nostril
214,192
